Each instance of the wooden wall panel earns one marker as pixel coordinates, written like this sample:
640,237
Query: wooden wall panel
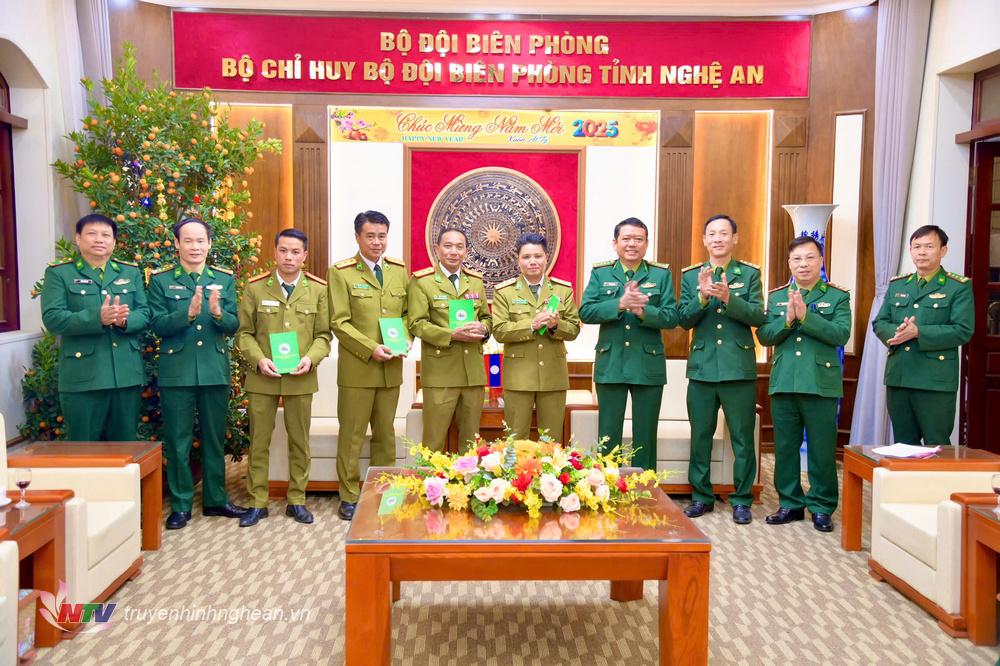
310,213
787,187
674,231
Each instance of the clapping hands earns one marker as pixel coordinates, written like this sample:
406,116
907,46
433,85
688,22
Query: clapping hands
114,314
633,299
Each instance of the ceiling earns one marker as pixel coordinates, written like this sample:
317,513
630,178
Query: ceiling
526,8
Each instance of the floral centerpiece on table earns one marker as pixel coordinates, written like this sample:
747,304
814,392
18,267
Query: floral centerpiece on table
526,475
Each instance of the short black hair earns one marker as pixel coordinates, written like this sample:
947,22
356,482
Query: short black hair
371,216
929,229
191,220
532,238
444,230
292,233
720,216
97,218
804,240
631,222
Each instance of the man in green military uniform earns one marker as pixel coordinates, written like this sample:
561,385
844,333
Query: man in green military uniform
806,321
633,300
364,289
98,306
451,373
721,299
924,320
193,374
288,300
535,372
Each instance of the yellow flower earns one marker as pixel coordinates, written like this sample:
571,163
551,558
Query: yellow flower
440,461
533,503
458,498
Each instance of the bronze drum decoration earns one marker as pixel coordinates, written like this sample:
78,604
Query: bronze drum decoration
495,206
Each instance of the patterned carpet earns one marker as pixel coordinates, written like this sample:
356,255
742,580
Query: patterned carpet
780,595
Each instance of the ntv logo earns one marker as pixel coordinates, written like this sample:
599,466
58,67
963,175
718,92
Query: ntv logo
69,617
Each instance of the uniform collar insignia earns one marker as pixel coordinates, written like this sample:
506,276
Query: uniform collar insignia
737,270
79,264
909,279
114,267
270,281
209,273
941,279
177,272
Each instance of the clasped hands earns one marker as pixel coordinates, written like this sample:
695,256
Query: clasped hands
198,301
474,331
906,331
545,318
633,300
268,369
114,314
708,289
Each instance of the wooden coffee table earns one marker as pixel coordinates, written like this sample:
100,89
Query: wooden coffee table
860,461
982,543
40,533
106,454
652,541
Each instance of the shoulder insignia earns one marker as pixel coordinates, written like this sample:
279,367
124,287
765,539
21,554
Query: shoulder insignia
687,268
423,272
564,283
958,278
602,264
747,263
394,260
837,286
658,264
164,269
60,263
222,270
771,291
473,273
901,276
505,283
257,278
344,263
126,263
316,279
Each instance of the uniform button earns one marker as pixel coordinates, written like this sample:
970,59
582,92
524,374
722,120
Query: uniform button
467,351
114,344
177,298
383,309
541,363
438,351
78,354
941,358
718,342
83,292
626,343
628,327
200,343
798,339
828,364
288,324
539,346
306,311
916,305
906,349
718,325
798,353
897,304
198,327
103,292
718,310
170,351
124,291
935,305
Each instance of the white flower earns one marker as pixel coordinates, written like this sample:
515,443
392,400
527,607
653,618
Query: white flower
612,473
551,487
596,477
491,462
560,458
570,503
603,492
498,487
483,494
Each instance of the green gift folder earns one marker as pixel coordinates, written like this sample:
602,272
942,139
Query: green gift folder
393,334
285,351
392,499
551,306
461,312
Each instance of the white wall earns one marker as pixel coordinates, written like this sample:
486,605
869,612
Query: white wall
40,58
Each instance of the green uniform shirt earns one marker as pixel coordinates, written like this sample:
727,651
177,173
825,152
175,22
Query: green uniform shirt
945,318
533,362
266,309
446,362
722,346
805,358
192,352
357,302
93,356
629,348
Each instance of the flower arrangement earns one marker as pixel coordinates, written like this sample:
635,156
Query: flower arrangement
526,475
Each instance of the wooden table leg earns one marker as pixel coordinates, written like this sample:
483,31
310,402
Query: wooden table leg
626,590
48,569
850,530
151,493
369,615
982,590
396,592
683,610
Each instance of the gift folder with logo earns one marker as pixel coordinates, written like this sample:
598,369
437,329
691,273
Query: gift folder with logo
461,312
285,351
393,334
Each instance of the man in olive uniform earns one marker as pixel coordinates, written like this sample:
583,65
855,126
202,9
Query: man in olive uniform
194,371
633,300
721,299
98,306
535,372
451,372
363,289
806,321
286,300
924,320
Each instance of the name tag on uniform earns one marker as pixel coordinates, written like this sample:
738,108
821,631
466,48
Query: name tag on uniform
780,304
647,285
270,304
361,285
736,285
121,281
440,297
610,284
82,281
938,295
519,301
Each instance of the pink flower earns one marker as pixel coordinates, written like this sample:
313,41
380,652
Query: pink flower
603,492
550,531
570,521
434,490
570,503
483,494
595,478
465,464
498,488
551,487
435,522
491,463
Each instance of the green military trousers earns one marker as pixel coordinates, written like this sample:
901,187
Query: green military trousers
464,403
298,412
178,405
791,413
611,401
921,416
108,414
549,407
738,400
356,409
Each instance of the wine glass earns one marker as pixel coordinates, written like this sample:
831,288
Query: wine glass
22,479
995,482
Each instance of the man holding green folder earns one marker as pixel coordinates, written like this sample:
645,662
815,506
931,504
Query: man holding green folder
284,333
449,313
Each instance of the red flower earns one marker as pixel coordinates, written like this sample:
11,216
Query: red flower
522,481
564,478
483,451
575,454
575,463
197,199
620,483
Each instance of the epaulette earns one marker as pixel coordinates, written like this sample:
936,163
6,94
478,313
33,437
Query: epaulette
222,270
258,278
602,264
747,263
505,283
316,279
126,263
685,270
958,278
61,262
164,269
344,263
900,276
565,283
394,260
471,272
424,272
837,286
658,264
770,291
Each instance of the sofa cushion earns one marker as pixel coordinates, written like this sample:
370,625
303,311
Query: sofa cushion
673,440
109,525
913,528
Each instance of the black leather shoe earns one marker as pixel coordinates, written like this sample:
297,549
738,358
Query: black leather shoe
253,516
227,510
741,514
346,510
698,508
299,512
783,515
823,522
178,519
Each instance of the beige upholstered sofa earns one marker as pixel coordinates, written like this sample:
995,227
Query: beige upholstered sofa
673,436
325,430
8,602
917,538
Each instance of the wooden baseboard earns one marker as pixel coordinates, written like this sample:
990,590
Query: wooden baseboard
722,490
279,489
953,625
